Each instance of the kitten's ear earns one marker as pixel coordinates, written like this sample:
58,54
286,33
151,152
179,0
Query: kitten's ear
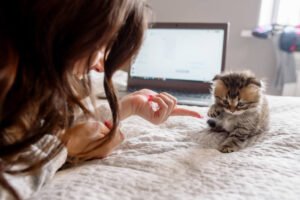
217,77
255,82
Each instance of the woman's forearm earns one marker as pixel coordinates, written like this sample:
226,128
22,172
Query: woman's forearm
125,108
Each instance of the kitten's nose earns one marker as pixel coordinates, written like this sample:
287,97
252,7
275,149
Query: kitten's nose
232,110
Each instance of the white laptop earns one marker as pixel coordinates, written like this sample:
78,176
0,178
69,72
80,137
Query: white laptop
182,59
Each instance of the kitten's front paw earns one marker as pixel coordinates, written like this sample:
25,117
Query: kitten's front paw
230,145
228,149
213,112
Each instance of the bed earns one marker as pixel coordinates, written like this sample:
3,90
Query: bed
178,160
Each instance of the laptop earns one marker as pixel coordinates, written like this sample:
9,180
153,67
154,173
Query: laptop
181,59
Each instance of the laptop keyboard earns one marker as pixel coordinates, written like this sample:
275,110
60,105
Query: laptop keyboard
186,98
181,94
189,95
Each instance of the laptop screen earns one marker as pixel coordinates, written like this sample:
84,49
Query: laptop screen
180,54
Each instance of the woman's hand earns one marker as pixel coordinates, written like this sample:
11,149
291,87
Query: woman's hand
152,106
87,136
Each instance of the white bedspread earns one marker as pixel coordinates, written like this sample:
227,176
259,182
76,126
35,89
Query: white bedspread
178,160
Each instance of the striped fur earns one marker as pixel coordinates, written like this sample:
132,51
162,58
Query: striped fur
240,109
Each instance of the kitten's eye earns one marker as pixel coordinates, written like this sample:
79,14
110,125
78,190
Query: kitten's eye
240,104
225,102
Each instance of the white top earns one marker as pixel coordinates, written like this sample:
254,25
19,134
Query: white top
27,184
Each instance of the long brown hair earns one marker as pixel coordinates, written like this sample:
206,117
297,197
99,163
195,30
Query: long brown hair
40,42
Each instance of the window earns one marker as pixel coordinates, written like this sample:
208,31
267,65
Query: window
285,12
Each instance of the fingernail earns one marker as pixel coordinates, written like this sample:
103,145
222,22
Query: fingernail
199,116
150,98
108,124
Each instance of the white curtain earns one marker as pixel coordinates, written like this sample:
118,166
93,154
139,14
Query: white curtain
293,89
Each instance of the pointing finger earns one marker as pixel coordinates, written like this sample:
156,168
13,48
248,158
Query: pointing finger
180,111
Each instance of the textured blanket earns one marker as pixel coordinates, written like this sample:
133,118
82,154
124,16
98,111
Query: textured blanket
179,160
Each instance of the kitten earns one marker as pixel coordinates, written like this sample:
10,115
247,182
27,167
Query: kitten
240,109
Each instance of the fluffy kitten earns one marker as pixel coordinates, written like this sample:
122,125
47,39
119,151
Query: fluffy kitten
240,109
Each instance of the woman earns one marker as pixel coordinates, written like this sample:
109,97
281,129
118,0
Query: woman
46,49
